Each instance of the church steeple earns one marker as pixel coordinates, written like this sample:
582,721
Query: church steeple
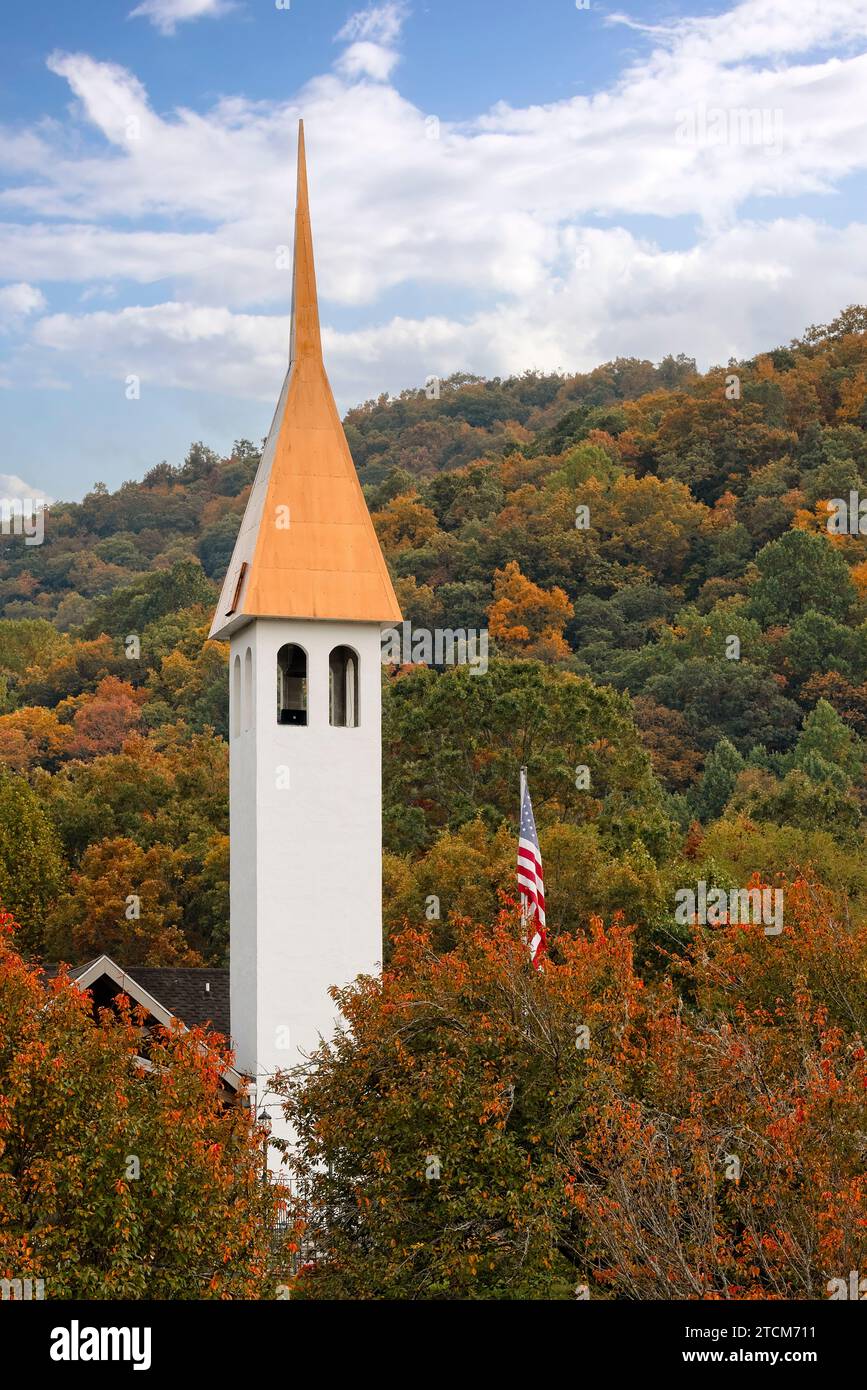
303,604
307,547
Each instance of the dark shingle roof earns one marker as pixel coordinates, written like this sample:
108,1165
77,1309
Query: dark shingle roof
198,996
194,995
73,971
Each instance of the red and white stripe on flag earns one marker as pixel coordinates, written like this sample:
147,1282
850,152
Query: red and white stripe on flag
531,883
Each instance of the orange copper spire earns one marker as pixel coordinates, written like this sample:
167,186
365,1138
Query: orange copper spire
304,340
306,547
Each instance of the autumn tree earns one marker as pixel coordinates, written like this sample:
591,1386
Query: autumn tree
123,901
481,1129
526,619
120,1178
738,1172
33,737
665,734
449,1183
103,721
75,669
404,522
193,688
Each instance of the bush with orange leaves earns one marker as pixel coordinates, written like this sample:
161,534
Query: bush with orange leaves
484,1130
118,1181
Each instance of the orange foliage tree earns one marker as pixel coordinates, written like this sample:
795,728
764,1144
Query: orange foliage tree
33,737
486,1130
119,1179
526,619
123,900
734,1169
103,721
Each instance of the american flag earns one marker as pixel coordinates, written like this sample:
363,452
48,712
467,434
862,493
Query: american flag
531,883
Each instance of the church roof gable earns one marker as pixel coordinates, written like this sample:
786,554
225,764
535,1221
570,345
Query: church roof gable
194,996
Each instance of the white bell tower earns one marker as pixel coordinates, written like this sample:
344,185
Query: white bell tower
305,596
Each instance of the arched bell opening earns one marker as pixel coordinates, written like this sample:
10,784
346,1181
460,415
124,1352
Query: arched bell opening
291,685
343,688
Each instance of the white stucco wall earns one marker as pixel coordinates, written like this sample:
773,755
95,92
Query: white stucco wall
306,904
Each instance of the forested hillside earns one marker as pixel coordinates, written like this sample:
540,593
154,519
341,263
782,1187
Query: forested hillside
614,532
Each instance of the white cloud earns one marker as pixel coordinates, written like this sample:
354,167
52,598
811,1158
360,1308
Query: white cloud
619,297
367,60
17,302
373,34
175,344
494,214
759,29
13,488
166,15
381,23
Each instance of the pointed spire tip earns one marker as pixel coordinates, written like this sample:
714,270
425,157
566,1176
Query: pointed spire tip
305,338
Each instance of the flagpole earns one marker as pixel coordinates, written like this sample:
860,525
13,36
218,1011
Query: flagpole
520,814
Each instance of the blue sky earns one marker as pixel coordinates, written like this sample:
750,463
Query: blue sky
494,186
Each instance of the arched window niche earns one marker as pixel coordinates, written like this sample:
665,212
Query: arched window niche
291,685
248,690
343,688
236,696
